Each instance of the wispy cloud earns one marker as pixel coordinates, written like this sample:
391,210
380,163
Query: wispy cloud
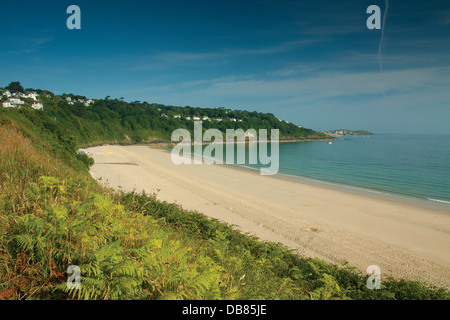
383,27
277,48
15,45
353,97
330,30
298,69
322,88
169,59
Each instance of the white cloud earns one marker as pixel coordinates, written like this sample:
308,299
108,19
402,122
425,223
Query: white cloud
323,86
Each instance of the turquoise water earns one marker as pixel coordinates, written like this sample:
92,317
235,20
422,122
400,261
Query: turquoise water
411,165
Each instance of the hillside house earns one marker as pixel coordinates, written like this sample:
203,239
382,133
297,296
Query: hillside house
30,95
16,101
13,102
33,95
37,106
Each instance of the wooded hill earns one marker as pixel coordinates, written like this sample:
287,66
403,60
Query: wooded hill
107,120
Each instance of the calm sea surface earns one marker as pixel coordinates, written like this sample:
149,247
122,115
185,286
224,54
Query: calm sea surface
402,164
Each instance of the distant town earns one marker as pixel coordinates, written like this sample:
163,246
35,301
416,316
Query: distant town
345,132
15,96
13,99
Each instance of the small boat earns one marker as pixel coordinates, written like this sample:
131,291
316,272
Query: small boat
330,142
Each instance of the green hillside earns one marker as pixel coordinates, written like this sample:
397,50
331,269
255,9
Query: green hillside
106,120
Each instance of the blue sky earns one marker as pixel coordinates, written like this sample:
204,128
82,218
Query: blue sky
314,63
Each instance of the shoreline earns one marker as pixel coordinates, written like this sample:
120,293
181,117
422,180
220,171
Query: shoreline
169,142
404,240
372,193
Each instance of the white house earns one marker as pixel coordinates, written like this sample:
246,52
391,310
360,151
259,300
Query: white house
7,93
177,116
188,118
31,95
37,106
206,118
196,118
16,101
13,102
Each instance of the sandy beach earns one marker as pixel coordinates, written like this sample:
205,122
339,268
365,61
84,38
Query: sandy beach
403,240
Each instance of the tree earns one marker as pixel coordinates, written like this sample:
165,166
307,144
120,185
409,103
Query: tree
15,87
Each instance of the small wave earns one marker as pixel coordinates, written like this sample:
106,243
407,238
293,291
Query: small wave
437,200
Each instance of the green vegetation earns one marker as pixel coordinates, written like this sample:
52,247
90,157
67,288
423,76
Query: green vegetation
108,121
15,87
130,245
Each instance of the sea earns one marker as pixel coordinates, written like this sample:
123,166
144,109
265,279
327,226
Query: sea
415,166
